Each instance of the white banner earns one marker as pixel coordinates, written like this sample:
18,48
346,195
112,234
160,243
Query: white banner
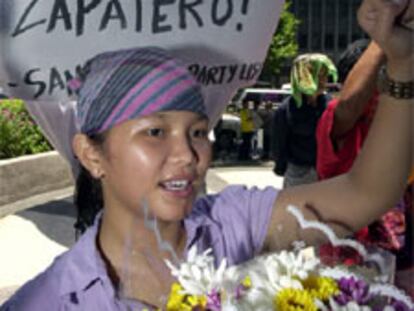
44,42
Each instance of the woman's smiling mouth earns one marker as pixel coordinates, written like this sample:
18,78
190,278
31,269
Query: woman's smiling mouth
178,187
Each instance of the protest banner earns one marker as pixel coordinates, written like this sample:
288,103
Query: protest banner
44,43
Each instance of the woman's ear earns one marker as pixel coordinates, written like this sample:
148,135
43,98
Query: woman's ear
88,154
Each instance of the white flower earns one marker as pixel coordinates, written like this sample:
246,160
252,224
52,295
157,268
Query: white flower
198,276
236,305
269,274
284,269
351,306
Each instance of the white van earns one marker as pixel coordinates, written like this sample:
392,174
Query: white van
260,95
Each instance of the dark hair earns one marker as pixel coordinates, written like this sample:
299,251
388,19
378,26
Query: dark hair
348,59
88,193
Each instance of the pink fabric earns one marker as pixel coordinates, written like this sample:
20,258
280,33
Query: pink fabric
175,91
145,93
388,231
331,162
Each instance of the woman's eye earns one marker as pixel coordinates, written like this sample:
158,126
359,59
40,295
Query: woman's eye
200,133
155,132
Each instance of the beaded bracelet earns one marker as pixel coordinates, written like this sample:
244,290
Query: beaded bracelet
396,89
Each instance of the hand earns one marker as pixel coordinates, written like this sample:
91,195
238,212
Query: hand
386,22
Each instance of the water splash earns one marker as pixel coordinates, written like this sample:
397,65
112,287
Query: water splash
128,282
152,224
334,240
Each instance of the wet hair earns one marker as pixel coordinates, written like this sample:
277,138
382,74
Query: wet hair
348,59
88,193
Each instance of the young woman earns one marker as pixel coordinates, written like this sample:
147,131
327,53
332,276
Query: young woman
144,138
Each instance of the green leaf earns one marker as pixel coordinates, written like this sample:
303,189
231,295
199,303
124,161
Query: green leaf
19,135
284,46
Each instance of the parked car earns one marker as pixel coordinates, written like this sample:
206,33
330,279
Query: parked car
261,95
228,130
227,135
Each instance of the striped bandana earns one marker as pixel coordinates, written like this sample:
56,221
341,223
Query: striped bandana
122,85
304,76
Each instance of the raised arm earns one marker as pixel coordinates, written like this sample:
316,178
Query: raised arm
379,174
358,88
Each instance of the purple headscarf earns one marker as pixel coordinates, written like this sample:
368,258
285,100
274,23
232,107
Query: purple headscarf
122,85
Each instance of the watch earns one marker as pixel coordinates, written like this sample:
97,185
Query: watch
393,88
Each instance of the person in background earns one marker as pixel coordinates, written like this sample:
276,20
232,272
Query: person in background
257,139
247,131
344,125
267,115
341,133
296,119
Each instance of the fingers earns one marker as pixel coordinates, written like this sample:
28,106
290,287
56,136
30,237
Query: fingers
387,13
382,20
368,16
378,17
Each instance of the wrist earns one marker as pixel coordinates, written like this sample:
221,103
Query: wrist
401,70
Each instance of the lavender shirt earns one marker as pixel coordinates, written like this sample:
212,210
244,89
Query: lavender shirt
233,223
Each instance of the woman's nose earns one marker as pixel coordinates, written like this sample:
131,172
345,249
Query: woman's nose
183,151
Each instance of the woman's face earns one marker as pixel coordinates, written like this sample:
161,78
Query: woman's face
162,158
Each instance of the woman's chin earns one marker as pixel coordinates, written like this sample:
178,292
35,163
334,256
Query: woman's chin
174,208
172,212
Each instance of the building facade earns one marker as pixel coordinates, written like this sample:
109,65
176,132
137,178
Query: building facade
327,26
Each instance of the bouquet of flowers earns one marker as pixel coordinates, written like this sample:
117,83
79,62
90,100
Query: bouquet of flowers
287,280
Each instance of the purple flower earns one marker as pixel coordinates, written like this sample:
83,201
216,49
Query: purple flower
352,289
400,306
214,301
241,291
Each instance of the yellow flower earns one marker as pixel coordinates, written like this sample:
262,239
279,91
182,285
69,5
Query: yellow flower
291,299
178,301
320,287
247,282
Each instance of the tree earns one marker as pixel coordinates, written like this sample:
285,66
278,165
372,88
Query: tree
283,47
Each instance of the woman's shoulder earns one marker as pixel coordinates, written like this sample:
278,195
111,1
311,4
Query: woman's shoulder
232,222
68,273
40,293
233,198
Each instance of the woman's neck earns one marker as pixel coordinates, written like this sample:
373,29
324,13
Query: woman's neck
133,256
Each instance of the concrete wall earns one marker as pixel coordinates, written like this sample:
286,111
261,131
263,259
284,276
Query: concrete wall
26,176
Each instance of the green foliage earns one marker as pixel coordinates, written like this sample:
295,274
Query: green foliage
19,135
284,46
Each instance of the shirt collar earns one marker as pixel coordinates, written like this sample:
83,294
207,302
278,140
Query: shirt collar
199,219
83,263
